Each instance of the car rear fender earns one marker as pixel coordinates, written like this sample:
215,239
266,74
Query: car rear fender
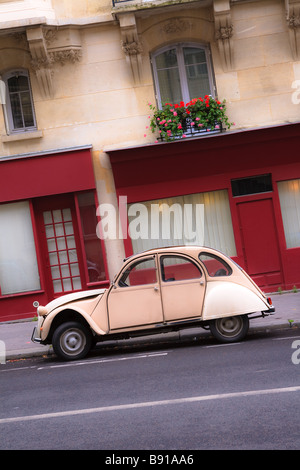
224,299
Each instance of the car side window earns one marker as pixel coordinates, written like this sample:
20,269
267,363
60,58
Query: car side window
177,268
139,273
215,266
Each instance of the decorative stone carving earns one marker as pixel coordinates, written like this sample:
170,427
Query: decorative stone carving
131,45
176,25
40,59
69,55
224,33
47,48
293,21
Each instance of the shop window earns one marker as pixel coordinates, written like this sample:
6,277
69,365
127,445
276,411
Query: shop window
289,195
18,261
182,72
92,245
195,219
252,185
19,104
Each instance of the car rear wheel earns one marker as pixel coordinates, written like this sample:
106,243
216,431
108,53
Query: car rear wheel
230,329
71,341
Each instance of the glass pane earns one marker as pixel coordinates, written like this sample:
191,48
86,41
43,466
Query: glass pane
168,77
16,111
57,286
63,257
57,216
76,283
47,217
18,83
67,284
289,196
61,243
92,244
67,215
215,266
196,72
167,59
18,262
175,268
59,230
53,259
74,269
139,273
27,109
169,86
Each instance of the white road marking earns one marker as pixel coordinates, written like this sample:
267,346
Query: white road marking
221,345
129,406
101,361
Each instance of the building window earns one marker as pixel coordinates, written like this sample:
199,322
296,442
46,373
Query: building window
182,72
289,195
19,105
18,261
195,219
252,185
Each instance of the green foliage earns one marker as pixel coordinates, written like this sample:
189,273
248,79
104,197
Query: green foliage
200,113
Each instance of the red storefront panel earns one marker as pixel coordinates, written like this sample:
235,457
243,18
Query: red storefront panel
209,164
54,183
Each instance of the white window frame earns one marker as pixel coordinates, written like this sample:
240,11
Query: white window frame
182,70
7,106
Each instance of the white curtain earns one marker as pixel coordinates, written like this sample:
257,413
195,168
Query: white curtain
289,195
197,219
18,262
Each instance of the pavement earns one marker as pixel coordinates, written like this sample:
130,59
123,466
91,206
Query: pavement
15,336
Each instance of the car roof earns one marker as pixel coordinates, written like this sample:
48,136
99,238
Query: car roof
186,249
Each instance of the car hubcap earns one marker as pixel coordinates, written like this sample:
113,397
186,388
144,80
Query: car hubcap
230,326
72,341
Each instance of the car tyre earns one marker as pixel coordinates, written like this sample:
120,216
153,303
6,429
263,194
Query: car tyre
230,329
72,341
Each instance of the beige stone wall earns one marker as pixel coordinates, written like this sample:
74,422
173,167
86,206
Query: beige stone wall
95,100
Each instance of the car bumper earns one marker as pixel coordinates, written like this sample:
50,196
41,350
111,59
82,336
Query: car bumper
270,311
36,334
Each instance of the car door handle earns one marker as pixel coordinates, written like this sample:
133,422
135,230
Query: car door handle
201,283
156,288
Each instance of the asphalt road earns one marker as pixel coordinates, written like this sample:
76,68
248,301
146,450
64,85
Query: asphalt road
199,395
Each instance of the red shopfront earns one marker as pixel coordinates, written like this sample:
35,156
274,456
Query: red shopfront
257,174
48,241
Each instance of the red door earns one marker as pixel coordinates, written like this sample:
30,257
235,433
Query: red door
260,242
60,245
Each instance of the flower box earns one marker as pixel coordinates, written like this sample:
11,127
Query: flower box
198,117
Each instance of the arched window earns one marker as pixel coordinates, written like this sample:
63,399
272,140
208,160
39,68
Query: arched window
182,72
19,105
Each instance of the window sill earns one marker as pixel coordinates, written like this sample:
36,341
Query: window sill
22,136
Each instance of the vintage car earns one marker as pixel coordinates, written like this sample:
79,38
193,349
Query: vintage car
156,291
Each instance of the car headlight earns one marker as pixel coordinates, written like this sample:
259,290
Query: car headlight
42,311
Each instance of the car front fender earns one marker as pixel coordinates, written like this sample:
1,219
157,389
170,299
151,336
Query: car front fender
223,299
82,308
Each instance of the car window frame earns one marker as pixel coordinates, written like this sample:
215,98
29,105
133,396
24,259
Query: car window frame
132,265
175,255
218,258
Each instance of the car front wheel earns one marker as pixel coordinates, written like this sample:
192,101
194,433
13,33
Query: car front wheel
230,329
71,341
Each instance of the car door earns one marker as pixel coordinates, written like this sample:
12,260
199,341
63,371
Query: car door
182,287
134,299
